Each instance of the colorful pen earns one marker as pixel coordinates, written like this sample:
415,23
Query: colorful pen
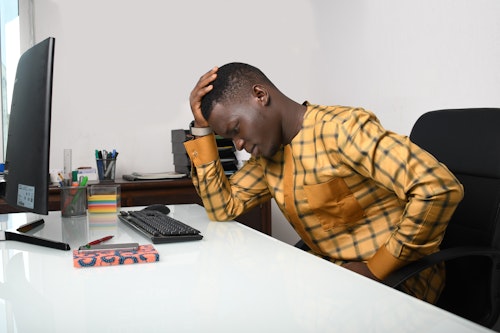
83,181
98,241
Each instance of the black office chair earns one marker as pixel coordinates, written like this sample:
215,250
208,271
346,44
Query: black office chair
468,142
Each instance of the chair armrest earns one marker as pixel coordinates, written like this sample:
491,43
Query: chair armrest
401,275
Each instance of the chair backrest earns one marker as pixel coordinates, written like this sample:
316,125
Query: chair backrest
467,141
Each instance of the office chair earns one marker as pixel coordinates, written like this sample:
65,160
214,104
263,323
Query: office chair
468,142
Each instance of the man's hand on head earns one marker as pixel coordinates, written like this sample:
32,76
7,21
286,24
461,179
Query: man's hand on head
201,89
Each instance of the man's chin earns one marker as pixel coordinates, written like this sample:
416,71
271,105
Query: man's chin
266,154
256,154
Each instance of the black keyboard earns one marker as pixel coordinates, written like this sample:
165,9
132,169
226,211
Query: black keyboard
159,227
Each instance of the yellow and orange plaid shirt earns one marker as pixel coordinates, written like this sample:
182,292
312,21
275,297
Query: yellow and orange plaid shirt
352,190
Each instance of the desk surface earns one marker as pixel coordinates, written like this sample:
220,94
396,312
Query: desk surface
234,280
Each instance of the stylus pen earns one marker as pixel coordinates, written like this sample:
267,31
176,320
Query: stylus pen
98,241
30,226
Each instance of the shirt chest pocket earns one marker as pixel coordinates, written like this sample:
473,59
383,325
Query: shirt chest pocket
333,203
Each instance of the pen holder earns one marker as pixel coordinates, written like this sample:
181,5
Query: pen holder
73,201
106,169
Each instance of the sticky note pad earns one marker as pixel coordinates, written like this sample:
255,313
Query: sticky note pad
104,199
103,203
144,254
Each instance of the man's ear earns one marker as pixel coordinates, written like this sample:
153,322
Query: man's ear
261,94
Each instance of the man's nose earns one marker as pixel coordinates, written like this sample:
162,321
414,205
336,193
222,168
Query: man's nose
239,143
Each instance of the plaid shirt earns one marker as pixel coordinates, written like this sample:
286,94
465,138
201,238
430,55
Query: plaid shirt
352,190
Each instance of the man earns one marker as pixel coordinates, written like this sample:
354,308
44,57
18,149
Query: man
357,194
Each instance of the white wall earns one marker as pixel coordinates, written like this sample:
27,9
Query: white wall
124,69
401,58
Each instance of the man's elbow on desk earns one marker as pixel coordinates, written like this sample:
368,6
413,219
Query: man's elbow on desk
221,215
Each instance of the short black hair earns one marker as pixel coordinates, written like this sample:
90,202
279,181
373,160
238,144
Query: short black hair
233,84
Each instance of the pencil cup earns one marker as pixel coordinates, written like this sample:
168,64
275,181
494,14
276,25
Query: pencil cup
106,169
73,201
104,199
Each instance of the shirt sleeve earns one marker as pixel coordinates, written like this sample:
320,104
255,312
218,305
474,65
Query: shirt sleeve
224,198
428,189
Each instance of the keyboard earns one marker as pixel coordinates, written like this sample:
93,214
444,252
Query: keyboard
159,227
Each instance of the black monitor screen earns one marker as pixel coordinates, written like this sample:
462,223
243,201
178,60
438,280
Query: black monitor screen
28,142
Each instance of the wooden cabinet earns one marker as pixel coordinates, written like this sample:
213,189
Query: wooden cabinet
178,191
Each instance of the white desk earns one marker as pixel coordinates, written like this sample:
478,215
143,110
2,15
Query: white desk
234,280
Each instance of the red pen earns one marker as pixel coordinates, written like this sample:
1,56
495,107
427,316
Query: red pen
98,241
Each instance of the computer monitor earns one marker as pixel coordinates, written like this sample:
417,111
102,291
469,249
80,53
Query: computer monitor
28,142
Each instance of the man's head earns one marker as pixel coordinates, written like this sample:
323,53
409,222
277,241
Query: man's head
239,107
233,84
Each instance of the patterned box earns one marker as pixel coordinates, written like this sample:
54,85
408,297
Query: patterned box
144,254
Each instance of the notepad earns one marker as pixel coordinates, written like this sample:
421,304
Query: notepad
144,254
